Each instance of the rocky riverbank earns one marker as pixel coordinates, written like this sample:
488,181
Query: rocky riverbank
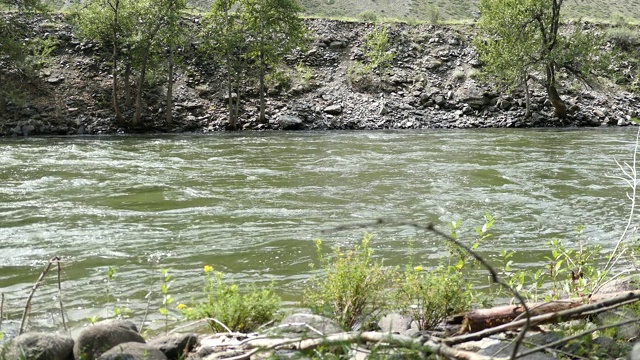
432,84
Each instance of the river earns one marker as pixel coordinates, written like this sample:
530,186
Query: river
251,204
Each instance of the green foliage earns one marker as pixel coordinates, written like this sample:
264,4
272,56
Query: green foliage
352,287
368,15
429,12
430,297
520,37
41,49
378,59
238,310
376,49
623,38
567,272
167,299
278,80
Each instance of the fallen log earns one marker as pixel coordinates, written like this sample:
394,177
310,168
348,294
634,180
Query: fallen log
480,319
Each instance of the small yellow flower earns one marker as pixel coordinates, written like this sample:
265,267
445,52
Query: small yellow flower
418,268
181,306
208,269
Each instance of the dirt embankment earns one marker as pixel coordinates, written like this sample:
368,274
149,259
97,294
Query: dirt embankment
432,84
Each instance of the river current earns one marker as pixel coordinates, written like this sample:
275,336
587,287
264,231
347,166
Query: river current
251,204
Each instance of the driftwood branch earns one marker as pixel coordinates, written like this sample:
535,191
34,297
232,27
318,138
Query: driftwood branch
580,311
27,306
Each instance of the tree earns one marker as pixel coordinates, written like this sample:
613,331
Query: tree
110,22
274,28
223,34
520,38
171,37
13,50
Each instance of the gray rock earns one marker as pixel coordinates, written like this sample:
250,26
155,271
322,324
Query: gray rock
95,340
290,122
504,349
629,283
335,45
395,323
175,346
133,351
333,109
38,346
635,352
302,324
471,94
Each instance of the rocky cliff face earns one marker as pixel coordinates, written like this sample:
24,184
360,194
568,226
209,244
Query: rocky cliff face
432,84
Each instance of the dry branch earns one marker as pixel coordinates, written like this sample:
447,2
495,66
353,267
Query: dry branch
27,306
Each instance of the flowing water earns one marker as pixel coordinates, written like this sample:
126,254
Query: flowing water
251,204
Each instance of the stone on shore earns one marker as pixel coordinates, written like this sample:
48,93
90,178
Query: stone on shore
97,339
133,351
38,346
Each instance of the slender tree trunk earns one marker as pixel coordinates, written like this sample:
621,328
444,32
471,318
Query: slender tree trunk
262,100
170,87
3,101
238,80
232,115
527,96
116,105
552,92
127,82
143,70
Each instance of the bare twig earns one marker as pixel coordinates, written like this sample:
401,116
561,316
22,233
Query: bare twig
27,306
631,178
146,310
494,274
64,323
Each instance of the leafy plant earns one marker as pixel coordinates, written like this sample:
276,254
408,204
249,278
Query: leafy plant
368,15
352,288
167,299
376,49
429,297
231,308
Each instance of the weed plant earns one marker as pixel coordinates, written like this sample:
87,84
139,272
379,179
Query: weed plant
238,311
352,289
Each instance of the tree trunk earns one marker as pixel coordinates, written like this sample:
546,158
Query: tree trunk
552,92
170,87
143,70
3,105
232,115
527,96
116,105
262,100
127,83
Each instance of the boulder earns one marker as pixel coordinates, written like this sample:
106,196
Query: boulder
297,324
290,122
395,323
38,346
97,339
175,346
629,283
470,93
133,351
635,352
333,109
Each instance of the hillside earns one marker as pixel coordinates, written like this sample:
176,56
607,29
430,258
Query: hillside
430,10
432,83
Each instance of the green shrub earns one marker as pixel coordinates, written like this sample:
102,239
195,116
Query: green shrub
376,49
368,15
243,312
623,38
429,297
278,80
352,290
